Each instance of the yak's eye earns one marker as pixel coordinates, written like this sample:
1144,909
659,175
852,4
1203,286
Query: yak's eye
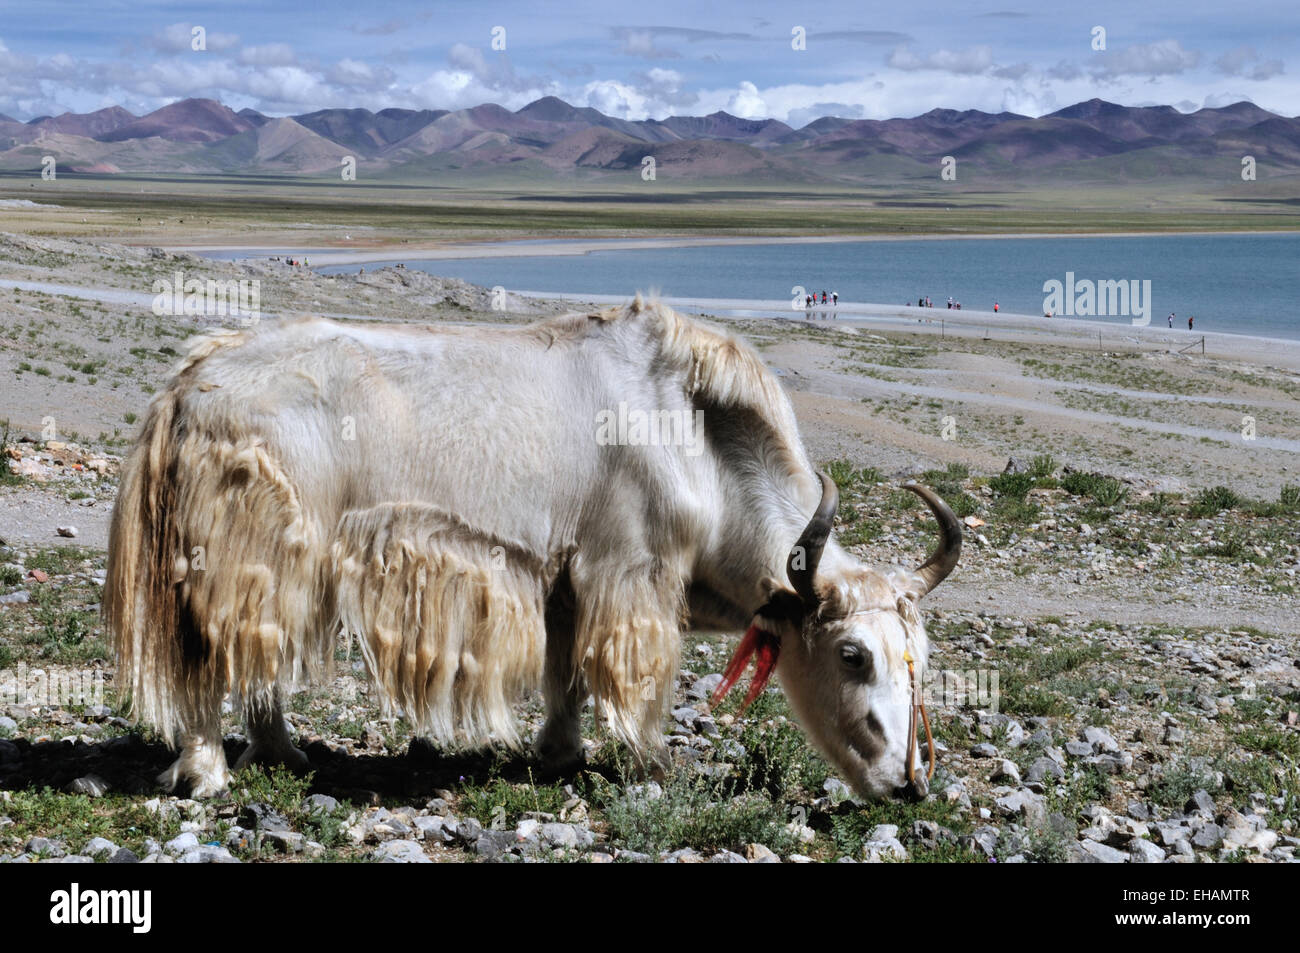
852,657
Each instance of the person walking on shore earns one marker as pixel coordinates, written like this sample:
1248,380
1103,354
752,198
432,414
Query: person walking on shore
995,307
1171,319
835,298
1190,319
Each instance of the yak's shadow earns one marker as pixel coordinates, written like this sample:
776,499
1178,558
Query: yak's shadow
130,765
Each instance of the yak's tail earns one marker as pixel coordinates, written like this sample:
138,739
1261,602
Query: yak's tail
211,583
140,602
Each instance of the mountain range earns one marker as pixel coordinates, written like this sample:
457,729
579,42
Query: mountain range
553,139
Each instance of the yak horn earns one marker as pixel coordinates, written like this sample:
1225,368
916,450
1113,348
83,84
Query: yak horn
801,566
944,558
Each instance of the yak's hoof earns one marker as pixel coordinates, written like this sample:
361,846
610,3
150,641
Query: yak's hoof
201,784
271,755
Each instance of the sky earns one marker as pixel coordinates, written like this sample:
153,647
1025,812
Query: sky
648,60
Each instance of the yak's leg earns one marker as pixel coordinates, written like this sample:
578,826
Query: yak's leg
629,636
269,741
202,764
559,744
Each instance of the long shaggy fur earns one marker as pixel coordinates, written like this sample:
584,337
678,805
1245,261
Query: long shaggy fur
232,571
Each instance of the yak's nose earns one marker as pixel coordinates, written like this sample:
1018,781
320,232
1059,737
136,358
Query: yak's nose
916,789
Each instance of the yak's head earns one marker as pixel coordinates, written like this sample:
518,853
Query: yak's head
850,647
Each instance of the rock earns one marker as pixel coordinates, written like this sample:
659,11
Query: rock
685,716
1006,772
878,850
1208,837
44,846
124,856
8,725
179,845
703,688
1044,768
1025,804
686,855
837,789
21,597
40,575
262,817
288,842
400,852
1174,735
1098,853
492,844
727,857
91,785
98,847
1100,740
433,829
68,531
928,834
759,854
1078,749
468,829
566,836
983,750
208,854
320,804
1199,803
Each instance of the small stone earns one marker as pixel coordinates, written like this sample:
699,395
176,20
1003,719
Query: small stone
1044,768
1032,807
433,829
1100,740
983,750
40,575
1199,803
320,804
1097,852
1078,749
1174,736
7,725
760,854
1208,837
492,844
727,857
98,847
182,843
561,835
400,852
91,785
124,856
288,842
1007,772
21,597
704,687
837,789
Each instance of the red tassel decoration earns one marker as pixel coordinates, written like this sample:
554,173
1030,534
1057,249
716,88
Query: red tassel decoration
756,642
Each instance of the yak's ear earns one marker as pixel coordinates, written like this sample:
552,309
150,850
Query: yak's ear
780,602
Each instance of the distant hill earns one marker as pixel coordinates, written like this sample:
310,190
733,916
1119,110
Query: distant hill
190,120
551,138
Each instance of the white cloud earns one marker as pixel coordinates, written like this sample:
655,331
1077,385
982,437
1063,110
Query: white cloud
1246,62
976,59
747,103
272,54
1165,58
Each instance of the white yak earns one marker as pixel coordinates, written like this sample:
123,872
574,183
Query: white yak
490,510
